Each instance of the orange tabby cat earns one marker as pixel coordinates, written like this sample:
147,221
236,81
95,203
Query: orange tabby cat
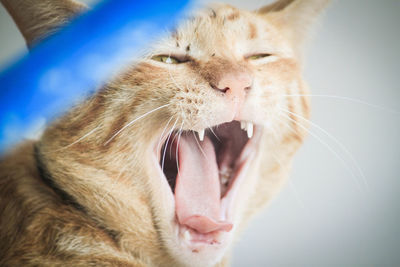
165,165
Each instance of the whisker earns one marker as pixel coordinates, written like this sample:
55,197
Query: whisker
214,134
76,141
166,144
345,98
202,152
340,144
115,181
180,87
208,126
175,137
326,145
133,121
173,80
177,148
162,134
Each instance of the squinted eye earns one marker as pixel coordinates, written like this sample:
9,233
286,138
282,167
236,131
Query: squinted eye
166,59
258,56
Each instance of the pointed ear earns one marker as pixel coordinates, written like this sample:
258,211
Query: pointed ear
294,18
37,19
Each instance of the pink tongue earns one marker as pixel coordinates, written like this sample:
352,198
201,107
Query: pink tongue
197,190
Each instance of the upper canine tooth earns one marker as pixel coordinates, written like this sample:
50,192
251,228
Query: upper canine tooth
249,129
201,135
243,125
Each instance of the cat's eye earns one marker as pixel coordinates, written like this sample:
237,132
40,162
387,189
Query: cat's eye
258,56
167,59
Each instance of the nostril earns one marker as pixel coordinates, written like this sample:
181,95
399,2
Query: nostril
233,84
223,90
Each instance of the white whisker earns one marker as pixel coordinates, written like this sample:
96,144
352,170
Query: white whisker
177,147
166,144
214,134
341,145
76,141
133,121
176,135
202,152
162,134
345,98
327,146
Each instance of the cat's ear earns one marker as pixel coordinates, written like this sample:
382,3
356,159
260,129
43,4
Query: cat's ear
294,18
37,19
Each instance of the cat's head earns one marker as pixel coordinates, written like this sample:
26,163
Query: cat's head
177,152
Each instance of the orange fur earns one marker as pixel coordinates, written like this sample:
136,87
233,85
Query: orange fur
118,212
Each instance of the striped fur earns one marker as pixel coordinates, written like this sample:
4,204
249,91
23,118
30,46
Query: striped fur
104,204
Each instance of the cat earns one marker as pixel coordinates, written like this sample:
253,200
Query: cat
213,144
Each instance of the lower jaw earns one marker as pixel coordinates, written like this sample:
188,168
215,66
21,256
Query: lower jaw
194,240
198,243
198,250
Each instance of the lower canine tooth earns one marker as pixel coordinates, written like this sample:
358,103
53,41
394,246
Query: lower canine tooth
224,175
249,129
224,180
187,236
201,135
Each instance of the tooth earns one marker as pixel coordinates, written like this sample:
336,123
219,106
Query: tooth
249,129
224,180
187,236
243,125
201,135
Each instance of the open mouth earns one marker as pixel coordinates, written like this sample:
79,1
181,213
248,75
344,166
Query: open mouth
203,169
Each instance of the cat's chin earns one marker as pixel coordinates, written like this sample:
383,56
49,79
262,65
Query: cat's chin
206,200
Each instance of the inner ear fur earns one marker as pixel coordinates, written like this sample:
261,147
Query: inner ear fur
37,19
294,18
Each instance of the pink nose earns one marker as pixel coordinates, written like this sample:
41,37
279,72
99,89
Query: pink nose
234,85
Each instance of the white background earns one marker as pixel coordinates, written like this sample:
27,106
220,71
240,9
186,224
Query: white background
325,216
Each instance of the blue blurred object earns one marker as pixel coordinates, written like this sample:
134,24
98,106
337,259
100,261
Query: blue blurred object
77,60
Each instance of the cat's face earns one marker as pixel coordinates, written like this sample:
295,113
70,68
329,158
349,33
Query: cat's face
220,70
176,168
